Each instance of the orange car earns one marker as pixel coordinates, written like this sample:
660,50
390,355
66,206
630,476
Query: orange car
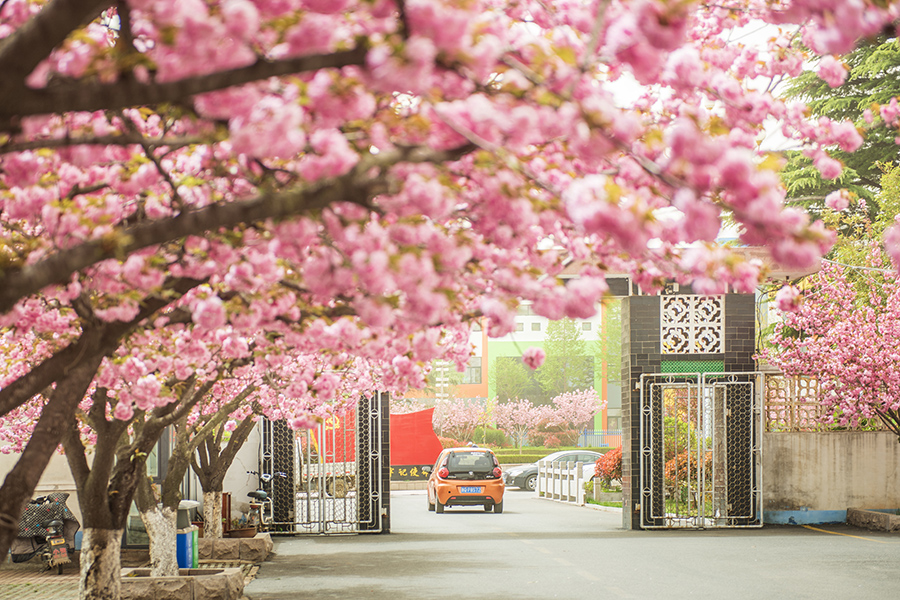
466,477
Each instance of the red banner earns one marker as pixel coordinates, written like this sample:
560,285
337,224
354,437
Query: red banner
339,443
413,441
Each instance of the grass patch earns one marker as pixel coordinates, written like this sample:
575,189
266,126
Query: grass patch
611,504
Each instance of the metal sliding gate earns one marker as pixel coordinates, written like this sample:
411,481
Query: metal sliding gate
700,460
327,480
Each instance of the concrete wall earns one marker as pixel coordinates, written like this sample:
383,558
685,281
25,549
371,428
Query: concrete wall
813,477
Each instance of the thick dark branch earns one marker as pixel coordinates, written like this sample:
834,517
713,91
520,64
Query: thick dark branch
22,52
216,419
891,420
129,92
172,143
56,416
75,454
185,405
356,186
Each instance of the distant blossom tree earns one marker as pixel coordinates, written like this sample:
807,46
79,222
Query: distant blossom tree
458,418
571,413
519,419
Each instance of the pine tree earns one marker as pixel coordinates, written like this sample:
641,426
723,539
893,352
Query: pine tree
872,81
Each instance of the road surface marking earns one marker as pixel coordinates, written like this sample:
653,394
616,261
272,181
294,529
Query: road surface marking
859,537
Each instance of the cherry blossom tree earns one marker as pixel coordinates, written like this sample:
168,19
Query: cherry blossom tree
843,332
459,417
571,413
519,418
365,177
158,505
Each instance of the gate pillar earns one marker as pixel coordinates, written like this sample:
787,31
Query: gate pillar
640,354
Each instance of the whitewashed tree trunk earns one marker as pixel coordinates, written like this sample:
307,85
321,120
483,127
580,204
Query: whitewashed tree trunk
101,565
212,514
161,525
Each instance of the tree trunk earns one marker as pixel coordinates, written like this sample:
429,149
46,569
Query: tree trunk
162,529
56,416
101,567
212,514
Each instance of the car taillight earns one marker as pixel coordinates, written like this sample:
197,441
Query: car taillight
497,472
443,472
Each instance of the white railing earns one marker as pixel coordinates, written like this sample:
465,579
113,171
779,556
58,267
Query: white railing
562,481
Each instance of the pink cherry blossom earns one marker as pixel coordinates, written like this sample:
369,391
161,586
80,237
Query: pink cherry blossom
209,313
892,243
787,298
838,200
533,357
312,200
832,70
830,168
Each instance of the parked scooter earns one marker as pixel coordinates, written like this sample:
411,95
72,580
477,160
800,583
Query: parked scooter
48,528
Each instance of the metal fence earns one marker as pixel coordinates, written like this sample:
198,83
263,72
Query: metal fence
600,438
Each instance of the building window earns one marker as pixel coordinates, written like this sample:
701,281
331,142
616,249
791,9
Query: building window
473,371
476,326
526,309
520,326
586,326
535,326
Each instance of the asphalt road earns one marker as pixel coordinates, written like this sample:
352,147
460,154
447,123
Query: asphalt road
541,549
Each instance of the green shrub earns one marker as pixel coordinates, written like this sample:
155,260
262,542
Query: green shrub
531,455
542,451
513,459
490,436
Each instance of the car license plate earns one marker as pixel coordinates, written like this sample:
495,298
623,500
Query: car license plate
470,489
57,541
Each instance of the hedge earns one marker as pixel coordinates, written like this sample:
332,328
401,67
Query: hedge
507,458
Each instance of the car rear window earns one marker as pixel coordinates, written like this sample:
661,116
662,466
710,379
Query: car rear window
470,462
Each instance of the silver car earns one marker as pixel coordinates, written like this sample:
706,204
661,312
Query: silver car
525,476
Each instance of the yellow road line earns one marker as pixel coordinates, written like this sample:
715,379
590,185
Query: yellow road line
859,537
